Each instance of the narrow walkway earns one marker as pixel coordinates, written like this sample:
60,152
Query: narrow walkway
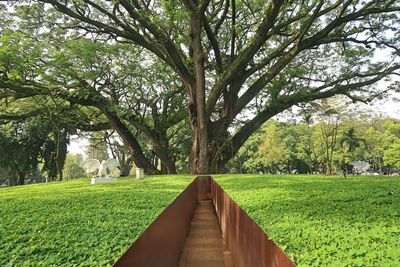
204,245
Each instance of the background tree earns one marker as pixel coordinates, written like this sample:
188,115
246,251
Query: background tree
72,167
350,142
304,143
273,150
24,144
391,155
248,158
307,150
374,142
97,147
119,152
231,58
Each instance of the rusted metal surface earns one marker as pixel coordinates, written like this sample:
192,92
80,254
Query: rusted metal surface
204,244
161,243
249,245
203,187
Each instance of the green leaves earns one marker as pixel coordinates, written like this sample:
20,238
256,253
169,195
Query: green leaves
324,220
392,142
76,224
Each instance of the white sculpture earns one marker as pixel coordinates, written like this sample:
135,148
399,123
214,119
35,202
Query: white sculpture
360,166
93,165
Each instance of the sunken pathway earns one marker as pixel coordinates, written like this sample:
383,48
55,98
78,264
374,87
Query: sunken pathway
204,245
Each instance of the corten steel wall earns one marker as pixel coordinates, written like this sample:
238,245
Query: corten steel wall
247,242
203,187
161,243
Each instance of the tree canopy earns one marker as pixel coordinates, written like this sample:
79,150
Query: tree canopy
25,144
308,148
212,72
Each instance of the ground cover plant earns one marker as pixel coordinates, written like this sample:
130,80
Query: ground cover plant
324,220
77,224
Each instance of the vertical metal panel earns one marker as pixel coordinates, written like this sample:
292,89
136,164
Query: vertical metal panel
249,245
161,243
203,187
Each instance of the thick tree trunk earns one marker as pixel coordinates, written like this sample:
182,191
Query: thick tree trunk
199,160
21,178
210,162
124,170
12,180
168,167
17,178
167,163
199,156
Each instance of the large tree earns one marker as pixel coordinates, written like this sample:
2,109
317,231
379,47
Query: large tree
239,58
100,83
26,143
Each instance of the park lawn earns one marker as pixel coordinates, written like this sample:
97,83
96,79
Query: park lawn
77,224
317,220
324,220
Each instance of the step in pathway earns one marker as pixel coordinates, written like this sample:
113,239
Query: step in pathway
204,246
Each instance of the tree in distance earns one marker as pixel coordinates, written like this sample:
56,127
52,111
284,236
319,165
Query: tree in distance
152,68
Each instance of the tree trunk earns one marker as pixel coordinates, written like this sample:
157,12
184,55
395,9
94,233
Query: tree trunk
199,161
161,151
124,170
199,155
12,180
60,175
137,154
20,178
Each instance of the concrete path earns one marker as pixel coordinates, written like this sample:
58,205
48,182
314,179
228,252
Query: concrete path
204,245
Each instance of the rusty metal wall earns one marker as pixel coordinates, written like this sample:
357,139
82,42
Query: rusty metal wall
203,187
161,243
249,245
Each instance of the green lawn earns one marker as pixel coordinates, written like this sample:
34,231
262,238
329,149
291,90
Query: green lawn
317,220
325,221
74,223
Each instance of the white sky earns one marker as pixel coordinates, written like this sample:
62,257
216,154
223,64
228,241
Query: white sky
78,145
388,107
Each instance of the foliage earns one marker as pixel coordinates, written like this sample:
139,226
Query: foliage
324,220
323,143
72,167
97,148
77,224
392,142
248,158
144,68
23,144
273,150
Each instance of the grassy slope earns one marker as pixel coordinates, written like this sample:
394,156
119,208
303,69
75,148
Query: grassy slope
317,220
325,221
74,223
